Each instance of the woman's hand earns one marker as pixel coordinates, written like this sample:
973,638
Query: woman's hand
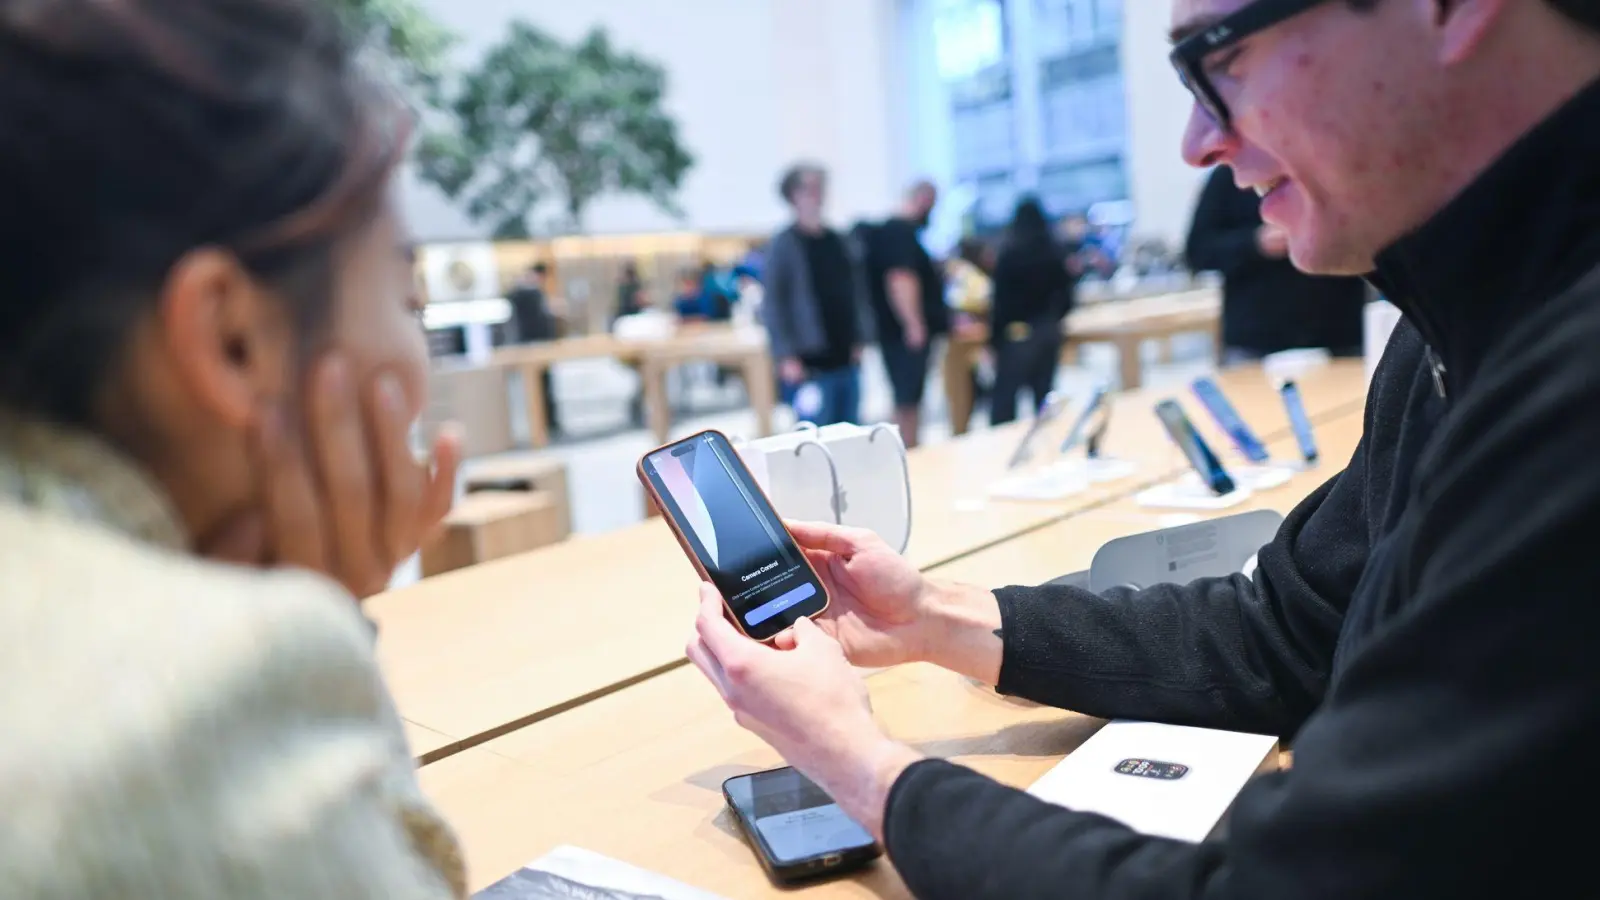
808,703
347,498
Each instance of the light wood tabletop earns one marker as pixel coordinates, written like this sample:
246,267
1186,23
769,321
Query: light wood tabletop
636,775
475,653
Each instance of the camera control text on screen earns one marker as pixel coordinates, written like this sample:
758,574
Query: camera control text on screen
734,533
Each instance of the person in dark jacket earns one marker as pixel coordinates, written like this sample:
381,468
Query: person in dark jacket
1032,294
1423,625
1267,304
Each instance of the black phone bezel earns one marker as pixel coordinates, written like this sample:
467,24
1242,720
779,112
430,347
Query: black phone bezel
822,865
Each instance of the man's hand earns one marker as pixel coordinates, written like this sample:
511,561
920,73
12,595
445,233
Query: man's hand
791,370
808,703
884,612
347,499
1273,241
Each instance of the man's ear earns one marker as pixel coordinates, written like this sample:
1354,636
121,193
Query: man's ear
1463,25
230,339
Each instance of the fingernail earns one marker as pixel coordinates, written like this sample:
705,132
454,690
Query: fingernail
389,393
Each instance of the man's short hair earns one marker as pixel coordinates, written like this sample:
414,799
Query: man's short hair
794,175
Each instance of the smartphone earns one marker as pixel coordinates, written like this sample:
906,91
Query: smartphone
1200,455
1096,413
1299,421
731,533
1229,420
795,828
1053,404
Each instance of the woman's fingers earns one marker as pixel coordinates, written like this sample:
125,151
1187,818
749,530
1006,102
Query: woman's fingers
346,473
292,509
401,481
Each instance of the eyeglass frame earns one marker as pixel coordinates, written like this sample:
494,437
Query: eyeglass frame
1188,55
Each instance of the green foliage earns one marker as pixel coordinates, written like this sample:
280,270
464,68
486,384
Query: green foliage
540,122
402,42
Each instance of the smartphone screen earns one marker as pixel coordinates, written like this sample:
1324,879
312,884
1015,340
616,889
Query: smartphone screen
794,824
1299,421
1080,428
1229,420
735,534
1047,414
1200,456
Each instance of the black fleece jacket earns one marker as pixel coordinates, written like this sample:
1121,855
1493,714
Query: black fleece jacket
1426,624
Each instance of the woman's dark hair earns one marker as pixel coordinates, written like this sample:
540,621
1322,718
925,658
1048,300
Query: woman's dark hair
136,131
1029,227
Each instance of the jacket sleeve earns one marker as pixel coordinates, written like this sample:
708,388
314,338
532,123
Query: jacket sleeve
777,299
1452,734
1220,239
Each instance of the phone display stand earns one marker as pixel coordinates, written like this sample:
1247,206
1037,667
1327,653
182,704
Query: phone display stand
1264,477
1103,469
1189,492
1048,483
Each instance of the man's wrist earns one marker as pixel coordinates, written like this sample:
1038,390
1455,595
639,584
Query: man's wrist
864,793
963,631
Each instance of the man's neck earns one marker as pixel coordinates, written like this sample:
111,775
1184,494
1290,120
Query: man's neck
810,226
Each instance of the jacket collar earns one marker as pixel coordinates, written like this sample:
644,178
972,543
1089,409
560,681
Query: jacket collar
69,473
1524,231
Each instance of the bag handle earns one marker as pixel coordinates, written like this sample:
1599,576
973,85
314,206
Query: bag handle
905,472
833,473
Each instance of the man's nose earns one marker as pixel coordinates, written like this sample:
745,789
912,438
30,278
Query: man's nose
1205,143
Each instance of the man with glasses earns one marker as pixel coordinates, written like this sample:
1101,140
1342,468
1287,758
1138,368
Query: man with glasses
1444,693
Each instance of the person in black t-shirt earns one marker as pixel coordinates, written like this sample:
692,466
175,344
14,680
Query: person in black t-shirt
907,292
1033,292
813,308
532,321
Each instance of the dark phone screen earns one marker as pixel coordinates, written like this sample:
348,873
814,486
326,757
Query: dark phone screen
735,533
795,819
1205,462
1300,421
1229,420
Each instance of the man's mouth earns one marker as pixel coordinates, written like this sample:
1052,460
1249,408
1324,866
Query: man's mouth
1263,190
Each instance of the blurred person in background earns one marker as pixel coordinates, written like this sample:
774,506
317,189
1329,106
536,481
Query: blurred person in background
1085,254
533,318
210,359
812,306
1033,292
630,291
908,304
1268,305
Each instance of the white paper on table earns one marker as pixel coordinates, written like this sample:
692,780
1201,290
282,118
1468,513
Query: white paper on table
1187,808
571,873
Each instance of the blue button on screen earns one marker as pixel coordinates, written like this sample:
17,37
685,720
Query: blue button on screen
784,601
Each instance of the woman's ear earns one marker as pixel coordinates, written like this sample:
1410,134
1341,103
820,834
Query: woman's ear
230,340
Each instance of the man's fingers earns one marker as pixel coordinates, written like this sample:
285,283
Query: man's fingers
725,643
703,660
840,539
289,497
401,481
337,434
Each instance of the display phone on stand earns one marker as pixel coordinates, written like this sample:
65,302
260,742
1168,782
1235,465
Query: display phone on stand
732,534
1049,411
1229,420
1090,427
795,828
1299,421
1201,458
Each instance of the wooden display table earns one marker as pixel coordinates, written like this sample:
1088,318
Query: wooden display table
490,525
653,359
1127,324
475,653
636,775
521,473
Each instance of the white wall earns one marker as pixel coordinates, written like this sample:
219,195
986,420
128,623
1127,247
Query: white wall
1163,187
754,85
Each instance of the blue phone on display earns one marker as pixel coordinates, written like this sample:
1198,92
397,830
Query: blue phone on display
1229,420
1201,458
1299,421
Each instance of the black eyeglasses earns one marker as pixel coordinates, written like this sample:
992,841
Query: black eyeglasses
1188,57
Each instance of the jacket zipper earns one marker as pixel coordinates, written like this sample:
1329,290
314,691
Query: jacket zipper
1437,367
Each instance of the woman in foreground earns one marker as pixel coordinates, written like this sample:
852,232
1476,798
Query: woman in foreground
208,365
